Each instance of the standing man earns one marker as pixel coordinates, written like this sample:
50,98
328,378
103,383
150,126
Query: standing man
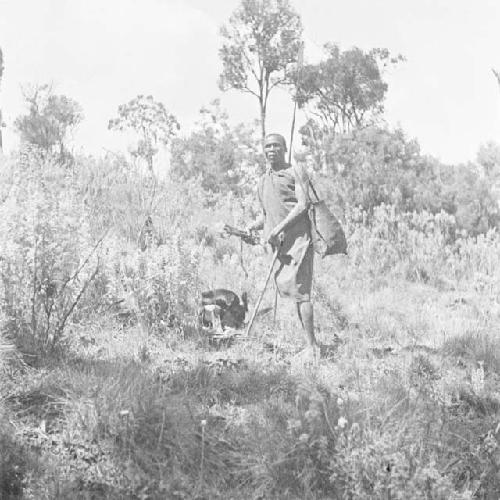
287,226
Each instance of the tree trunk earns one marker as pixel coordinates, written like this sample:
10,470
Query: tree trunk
263,121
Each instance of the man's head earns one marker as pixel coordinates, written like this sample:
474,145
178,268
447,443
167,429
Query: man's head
274,149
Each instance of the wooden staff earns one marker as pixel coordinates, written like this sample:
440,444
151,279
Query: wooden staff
259,300
300,62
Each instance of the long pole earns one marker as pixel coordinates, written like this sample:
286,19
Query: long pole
259,300
300,61
292,131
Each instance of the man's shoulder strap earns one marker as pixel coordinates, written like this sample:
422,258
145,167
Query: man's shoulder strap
302,175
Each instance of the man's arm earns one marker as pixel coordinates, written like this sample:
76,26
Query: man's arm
302,205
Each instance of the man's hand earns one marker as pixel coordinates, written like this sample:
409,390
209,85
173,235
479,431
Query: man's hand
256,225
275,239
246,236
250,229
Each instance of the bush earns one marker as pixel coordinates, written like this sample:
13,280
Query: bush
159,286
372,166
48,257
421,247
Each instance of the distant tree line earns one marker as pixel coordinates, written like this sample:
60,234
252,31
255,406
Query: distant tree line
345,142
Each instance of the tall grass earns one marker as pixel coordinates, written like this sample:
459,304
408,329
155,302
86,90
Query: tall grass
403,405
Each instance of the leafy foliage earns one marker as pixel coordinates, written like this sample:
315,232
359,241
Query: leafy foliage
488,157
224,158
260,44
142,405
470,198
158,287
346,90
49,120
150,120
373,166
48,259
240,421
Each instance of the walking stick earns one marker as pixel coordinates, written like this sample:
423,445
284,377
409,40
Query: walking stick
259,300
300,62
275,304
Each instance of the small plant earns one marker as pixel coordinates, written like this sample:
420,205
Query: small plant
158,286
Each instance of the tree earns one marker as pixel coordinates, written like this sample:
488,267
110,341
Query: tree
346,90
151,121
373,165
1,119
224,158
488,157
471,199
49,120
261,44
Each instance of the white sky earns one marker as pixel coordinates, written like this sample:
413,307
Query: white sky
104,52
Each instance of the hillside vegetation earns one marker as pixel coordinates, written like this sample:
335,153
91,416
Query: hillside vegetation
115,392
111,389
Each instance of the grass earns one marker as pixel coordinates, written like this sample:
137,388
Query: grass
392,409
137,403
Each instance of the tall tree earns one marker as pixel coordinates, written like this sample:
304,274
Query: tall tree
50,119
346,90
1,119
260,44
151,121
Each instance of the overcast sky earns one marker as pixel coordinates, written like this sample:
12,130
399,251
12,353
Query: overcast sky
104,52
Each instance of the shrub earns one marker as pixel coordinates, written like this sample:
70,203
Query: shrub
158,286
421,247
48,258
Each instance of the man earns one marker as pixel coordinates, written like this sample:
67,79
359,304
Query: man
286,224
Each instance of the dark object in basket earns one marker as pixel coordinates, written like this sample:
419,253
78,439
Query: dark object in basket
221,309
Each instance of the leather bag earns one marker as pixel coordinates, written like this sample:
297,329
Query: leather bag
327,232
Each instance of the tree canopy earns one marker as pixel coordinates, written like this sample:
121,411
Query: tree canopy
49,120
346,90
151,121
225,158
261,43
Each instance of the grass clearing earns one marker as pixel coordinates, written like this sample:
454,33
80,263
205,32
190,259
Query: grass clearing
389,409
134,401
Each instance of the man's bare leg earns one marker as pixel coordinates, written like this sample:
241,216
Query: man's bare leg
306,316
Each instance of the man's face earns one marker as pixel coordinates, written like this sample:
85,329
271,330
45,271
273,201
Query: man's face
274,151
